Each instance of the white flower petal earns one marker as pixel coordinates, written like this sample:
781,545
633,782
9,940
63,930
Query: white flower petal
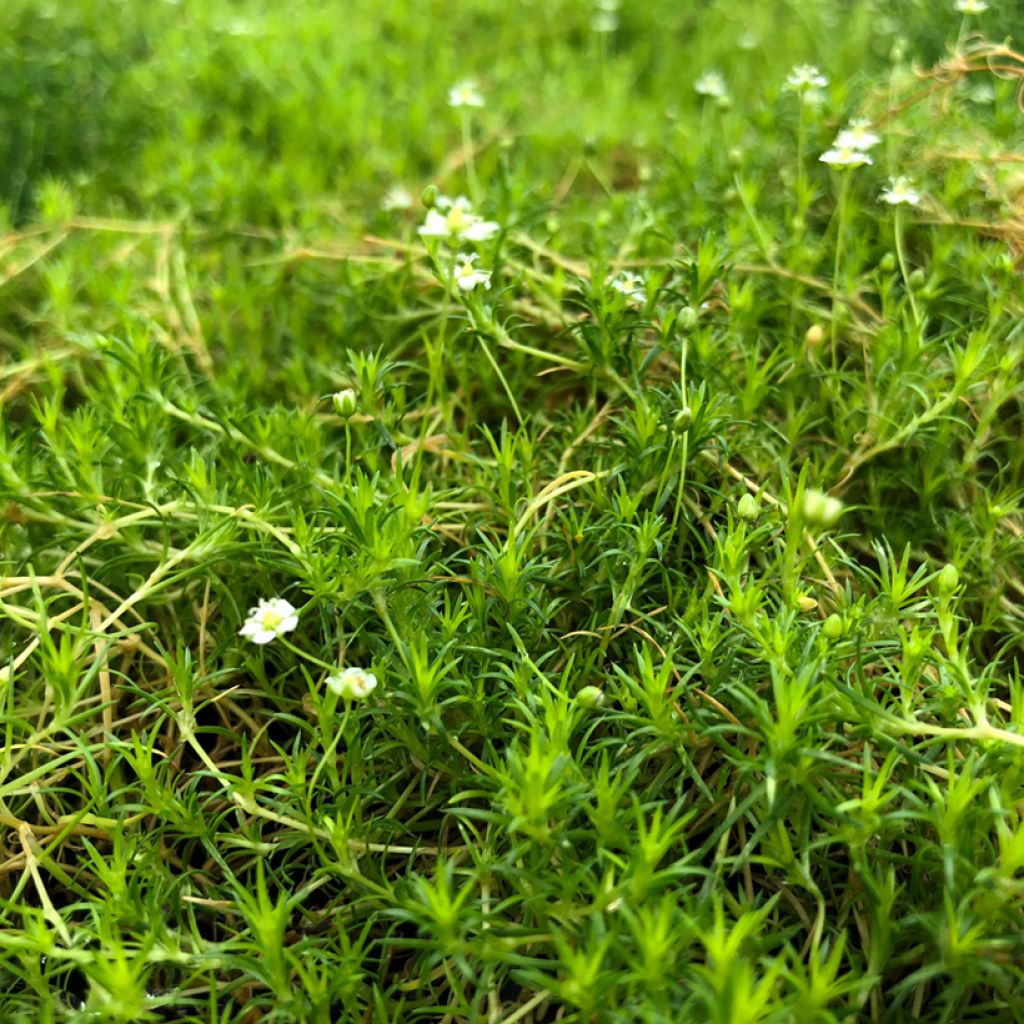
480,230
435,225
352,683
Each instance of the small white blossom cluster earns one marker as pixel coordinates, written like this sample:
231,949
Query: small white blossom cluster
631,285
269,620
851,145
465,94
850,149
807,82
454,220
970,6
712,84
398,197
272,618
605,17
901,193
352,683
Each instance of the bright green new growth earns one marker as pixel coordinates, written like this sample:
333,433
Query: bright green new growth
604,605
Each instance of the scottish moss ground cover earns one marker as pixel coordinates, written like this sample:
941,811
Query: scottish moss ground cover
597,598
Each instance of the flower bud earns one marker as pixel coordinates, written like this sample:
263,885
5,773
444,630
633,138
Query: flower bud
746,507
687,318
917,280
806,603
590,697
820,508
429,196
345,403
682,420
948,579
815,336
887,263
832,627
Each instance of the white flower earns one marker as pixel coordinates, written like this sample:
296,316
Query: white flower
805,78
396,198
466,275
465,94
352,683
455,218
857,135
845,156
269,620
631,285
970,6
900,192
711,83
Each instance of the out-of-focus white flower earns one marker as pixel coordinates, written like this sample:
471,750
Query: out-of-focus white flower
857,135
466,275
970,6
806,80
352,683
711,83
465,94
397,198
981,92
901,193
633,286
845,156
454,218
269,620
606,16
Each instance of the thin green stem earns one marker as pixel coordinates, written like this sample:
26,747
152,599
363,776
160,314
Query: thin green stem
844,183
901,259
468,156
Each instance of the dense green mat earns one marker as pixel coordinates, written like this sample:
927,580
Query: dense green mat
603,605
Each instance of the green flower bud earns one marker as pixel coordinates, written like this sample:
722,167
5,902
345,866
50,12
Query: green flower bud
683,419
746,507
345,403
820,508
887,263
687,318
917,280
429,196
590,697
815,336
948,579
832,627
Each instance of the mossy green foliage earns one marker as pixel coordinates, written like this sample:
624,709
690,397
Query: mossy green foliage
686,554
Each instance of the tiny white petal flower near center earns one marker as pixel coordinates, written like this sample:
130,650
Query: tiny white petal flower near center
466,275
352,683
901,193
970,6
845,156
269,620
454,218
631,285
465,94
857,135
711,83
805,78
396,198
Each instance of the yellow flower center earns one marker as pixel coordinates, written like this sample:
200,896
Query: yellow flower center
271,619
457,220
